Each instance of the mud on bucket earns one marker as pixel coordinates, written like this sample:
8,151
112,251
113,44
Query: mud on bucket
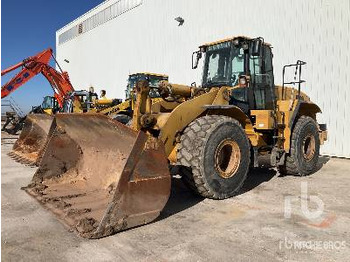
100,177
30,145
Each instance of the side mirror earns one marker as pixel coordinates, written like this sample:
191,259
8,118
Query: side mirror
257,46
195,58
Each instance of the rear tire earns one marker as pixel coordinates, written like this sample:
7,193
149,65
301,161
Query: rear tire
305,149
214,156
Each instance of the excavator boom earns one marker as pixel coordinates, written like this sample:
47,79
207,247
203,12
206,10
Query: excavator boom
35,65
31,67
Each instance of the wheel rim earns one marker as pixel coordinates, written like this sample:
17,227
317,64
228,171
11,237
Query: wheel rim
309,147
227,158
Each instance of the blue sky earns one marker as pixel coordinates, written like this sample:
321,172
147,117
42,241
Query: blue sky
28,27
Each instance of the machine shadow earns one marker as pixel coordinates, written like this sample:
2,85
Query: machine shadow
182,198
321,162
256,177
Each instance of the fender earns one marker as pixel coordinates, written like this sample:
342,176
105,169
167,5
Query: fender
236,113
176,121
231,111
301,108
304,108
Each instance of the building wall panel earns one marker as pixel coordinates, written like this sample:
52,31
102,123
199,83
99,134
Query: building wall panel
147,38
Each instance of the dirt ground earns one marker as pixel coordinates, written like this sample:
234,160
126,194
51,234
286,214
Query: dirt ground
273,219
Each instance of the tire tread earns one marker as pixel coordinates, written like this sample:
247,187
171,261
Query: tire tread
189,153
291,163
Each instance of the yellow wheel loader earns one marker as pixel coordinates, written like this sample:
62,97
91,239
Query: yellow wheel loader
34,133
100,177
36,130
123,112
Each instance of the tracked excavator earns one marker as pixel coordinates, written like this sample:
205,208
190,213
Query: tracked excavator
100,177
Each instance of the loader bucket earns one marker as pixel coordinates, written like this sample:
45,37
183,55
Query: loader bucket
100,177
31,142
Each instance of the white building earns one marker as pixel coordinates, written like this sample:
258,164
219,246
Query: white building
119,37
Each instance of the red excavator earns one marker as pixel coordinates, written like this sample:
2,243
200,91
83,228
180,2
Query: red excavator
36,126
34,65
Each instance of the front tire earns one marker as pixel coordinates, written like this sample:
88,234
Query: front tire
214,156
305,149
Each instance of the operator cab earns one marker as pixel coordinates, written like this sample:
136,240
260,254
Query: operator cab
81,100
153,80
50,105
245,65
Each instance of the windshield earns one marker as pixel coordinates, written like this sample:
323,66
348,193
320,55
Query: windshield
224,64
47,103
153,84
131,85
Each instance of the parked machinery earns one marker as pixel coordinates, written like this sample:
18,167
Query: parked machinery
36,131
123,112
34,65
101,177
12,115
36,126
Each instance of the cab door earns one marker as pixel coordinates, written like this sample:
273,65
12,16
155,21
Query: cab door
261,80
